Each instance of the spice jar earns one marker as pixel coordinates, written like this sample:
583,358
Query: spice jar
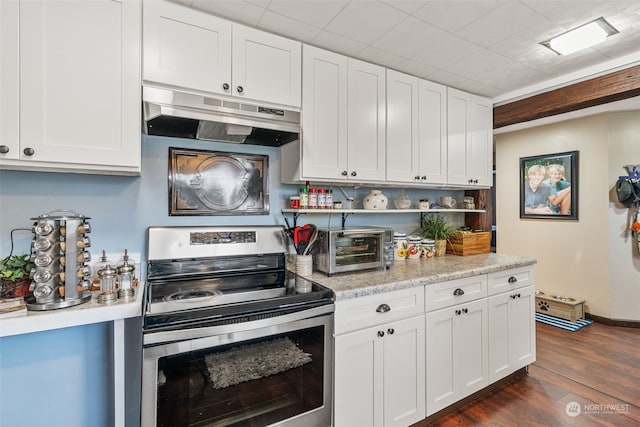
304,198
294,202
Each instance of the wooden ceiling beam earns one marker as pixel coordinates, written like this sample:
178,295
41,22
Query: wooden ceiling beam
611,87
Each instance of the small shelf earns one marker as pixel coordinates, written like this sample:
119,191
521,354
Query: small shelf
346,212
376,211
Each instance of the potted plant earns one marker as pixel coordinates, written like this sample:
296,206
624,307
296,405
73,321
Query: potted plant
436,227
14,276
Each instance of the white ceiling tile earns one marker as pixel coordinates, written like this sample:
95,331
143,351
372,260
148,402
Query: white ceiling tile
238,11
453,15
408,6
421,34
414,68
338,43
313,12
379,56
446,51
365,21
274,23
490,28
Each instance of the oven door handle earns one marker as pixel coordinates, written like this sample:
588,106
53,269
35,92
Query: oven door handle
167,337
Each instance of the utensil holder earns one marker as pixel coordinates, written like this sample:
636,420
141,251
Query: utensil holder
304,265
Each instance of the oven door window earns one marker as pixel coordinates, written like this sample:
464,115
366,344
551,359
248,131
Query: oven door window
354,250
251,383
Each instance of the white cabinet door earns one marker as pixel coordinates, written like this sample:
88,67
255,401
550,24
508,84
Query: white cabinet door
366,121
80,83
403,155
404,372
473,347
457,125
470,139
441,359
9,79
186,48
379,375
324,115
433,133
457,353
512,332
480,143
266,67
358,370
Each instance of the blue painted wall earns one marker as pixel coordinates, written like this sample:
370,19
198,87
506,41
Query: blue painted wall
61,377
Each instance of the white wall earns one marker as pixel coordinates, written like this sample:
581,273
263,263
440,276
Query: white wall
586,258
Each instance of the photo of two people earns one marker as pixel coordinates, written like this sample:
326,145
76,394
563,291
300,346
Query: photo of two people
549,186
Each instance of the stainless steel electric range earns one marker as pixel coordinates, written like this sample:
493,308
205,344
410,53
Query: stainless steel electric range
230,336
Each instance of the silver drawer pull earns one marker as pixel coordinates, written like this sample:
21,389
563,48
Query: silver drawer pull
383,308
512,279
458,292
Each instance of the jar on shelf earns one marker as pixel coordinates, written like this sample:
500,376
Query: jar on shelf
294,202
399,245
304,198
313,198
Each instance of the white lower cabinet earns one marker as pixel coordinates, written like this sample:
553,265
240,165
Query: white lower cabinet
404,355
512,335
379,370
457,353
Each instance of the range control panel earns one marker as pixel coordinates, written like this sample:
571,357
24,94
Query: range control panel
219,237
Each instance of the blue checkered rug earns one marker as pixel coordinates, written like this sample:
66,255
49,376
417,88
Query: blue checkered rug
561,323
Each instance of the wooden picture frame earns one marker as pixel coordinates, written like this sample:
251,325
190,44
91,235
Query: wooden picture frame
549,186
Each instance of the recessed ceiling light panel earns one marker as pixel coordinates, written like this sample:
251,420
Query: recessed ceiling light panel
582,37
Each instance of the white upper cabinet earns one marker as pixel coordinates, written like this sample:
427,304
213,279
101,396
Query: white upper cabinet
79,86
403,155
192,50
266,67
186,48
366,121
9,80
343,121
470,139
324,117
416,130
433,132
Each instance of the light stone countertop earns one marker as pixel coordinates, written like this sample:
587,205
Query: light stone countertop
416,272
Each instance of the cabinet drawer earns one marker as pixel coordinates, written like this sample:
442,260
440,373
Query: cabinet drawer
507,280
364,312
453,292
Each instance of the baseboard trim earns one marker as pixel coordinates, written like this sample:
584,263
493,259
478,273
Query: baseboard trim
478,394
613,322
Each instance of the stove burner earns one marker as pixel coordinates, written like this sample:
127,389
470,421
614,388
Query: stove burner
189,295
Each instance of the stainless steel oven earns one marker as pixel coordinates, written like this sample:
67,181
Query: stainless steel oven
230,336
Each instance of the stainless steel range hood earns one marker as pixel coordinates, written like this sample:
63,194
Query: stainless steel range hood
186,115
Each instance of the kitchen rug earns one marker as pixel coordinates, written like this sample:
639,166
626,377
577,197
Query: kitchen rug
561,323
252,361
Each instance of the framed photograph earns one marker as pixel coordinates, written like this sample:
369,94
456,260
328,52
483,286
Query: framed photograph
217,183
549,186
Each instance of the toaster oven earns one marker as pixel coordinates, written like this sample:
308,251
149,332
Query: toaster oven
353,249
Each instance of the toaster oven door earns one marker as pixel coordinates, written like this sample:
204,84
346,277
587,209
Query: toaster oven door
357,251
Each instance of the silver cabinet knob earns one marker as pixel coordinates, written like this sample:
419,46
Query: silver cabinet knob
29,151
4,149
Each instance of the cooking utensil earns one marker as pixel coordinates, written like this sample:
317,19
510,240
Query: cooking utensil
312,241
302,237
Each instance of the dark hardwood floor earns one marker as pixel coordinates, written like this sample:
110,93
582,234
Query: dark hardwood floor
597,367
